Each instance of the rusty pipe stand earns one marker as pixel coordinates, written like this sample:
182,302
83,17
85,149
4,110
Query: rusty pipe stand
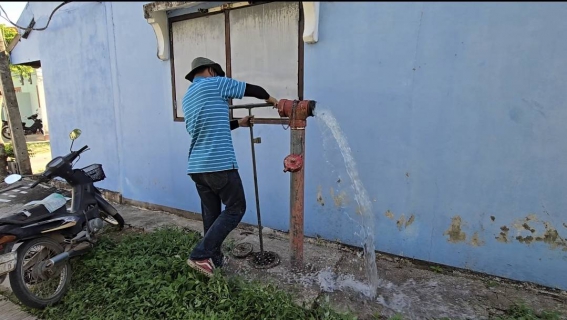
297,112
297,200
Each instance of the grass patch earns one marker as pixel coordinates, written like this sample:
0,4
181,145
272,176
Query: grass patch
39,147
34,148
522,312
144,276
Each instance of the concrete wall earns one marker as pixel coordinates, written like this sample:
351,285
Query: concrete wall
454,113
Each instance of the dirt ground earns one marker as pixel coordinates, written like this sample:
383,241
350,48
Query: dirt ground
336,273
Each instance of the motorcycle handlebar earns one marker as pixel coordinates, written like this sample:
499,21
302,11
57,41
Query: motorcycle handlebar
73,155
70,157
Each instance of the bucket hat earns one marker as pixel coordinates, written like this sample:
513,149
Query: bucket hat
203,62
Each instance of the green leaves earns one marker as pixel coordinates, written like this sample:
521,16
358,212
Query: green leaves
145,276
9,34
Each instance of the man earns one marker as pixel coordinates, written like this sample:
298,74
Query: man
212,162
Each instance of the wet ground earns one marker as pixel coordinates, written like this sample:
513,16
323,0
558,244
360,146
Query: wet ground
336,273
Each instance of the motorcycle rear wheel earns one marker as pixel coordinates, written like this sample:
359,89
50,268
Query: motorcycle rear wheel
6,133
22,280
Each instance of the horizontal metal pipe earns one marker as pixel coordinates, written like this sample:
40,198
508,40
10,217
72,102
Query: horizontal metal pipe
251,106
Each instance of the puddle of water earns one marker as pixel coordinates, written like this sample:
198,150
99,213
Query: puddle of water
363,200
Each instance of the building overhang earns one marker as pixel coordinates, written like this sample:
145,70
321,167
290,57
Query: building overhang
156,15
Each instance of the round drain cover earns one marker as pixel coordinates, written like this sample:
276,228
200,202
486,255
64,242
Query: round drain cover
264,260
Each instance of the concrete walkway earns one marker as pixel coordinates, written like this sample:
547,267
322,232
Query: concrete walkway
337,273
11,311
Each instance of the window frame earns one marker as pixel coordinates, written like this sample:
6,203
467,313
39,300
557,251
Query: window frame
228,54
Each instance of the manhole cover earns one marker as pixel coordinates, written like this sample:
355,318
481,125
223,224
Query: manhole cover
242,250
264,260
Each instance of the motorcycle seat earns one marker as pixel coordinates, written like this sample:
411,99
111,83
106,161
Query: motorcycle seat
35,213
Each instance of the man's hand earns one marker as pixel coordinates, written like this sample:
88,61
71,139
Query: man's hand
246,121
272,100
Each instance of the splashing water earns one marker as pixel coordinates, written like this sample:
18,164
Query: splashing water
362,199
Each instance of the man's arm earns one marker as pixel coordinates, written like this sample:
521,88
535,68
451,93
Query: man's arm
234,89
259,93
255,91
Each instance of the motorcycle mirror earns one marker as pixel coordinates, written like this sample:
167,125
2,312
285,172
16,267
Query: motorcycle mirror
13,178
74,135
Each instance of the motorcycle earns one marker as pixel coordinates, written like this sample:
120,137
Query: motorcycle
36,127
48,234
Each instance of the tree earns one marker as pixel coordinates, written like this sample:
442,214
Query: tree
9,34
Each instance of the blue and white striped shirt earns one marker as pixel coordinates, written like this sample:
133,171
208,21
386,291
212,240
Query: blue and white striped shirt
205,108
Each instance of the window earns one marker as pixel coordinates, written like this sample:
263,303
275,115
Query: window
259,44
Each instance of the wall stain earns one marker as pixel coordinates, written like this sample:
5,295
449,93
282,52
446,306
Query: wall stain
526,240
410,221
550,236
389,214
454,232
320,196
339,199
503,236
401,221
476,241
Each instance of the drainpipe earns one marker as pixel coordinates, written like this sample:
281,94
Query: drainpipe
297,112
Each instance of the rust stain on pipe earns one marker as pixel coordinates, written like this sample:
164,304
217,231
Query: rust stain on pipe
297,202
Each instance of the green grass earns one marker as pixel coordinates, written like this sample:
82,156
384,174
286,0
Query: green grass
34,148
145,276
522,312
39,147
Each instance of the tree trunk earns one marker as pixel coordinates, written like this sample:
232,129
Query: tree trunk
13,112
3,161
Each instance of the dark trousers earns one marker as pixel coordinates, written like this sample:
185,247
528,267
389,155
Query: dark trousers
216,188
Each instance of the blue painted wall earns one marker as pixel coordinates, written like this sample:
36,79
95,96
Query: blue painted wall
454,113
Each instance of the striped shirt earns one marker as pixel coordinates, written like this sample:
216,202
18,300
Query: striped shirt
205,108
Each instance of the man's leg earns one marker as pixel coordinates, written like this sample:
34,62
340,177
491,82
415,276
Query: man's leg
210,211
228,185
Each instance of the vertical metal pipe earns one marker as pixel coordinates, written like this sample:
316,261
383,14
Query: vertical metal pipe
297,200
256,185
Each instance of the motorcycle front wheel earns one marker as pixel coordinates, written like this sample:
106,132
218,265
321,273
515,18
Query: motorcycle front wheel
113,220
34,287
6,133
